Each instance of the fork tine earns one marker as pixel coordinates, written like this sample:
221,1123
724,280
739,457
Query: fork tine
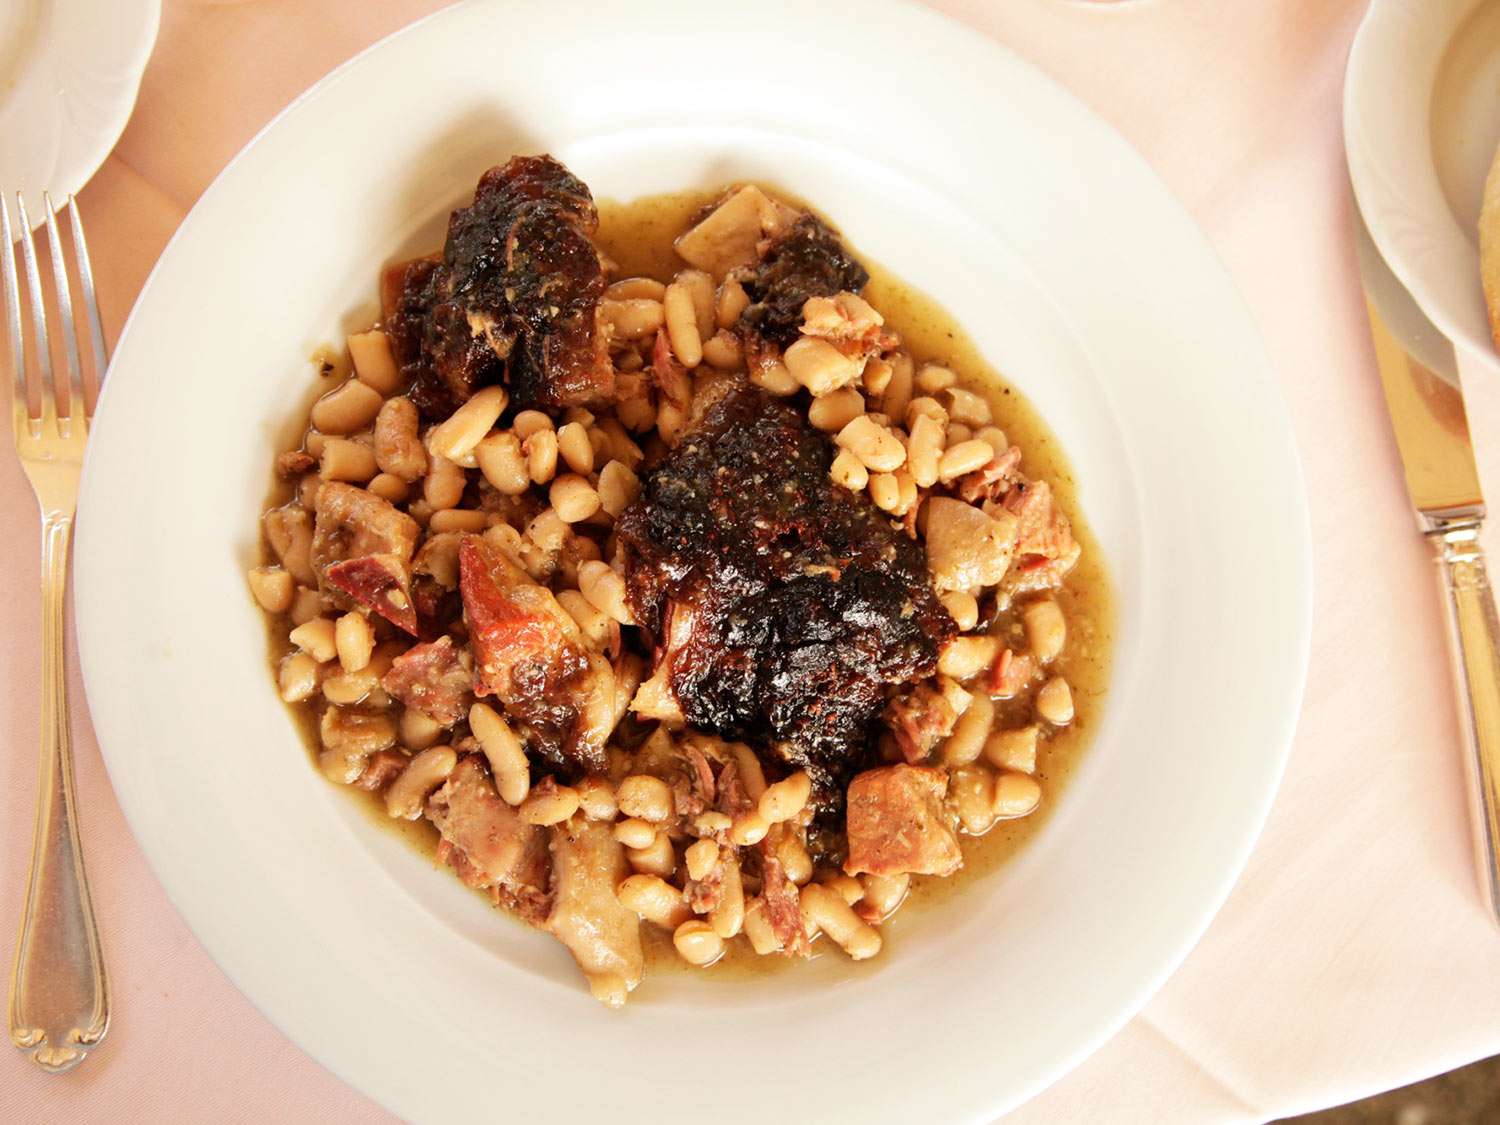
38,310
13,305
90,297
64,294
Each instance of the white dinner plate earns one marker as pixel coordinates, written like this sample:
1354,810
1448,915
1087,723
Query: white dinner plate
69,72
1421,122
939,155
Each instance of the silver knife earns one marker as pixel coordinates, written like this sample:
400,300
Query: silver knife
1419,371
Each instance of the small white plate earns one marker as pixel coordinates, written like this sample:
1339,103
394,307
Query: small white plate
940,156
69,73
1421,123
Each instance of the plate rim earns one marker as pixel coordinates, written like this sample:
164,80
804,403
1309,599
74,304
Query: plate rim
1299,649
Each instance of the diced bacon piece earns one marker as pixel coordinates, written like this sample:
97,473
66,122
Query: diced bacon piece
501,849
1010,673
604,937
294,463
896,823
380,584
920,719
732,799
434,678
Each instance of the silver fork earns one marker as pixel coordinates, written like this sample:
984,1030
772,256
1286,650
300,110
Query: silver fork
59,1000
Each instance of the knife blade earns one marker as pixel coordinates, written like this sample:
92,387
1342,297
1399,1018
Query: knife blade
1424,396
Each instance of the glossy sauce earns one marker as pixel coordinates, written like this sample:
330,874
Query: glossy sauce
638,237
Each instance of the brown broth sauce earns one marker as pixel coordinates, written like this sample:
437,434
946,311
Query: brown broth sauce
638,237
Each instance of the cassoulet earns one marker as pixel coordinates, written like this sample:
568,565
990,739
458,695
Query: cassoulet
690,600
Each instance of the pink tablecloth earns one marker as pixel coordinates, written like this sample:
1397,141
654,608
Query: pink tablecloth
1353,955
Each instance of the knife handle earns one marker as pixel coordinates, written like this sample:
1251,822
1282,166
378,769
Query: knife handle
1476,633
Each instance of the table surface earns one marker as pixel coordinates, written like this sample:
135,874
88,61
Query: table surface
1353,954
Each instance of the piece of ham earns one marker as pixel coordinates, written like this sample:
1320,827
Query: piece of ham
352,523
498,848
381,584
433,678
530,655
896,823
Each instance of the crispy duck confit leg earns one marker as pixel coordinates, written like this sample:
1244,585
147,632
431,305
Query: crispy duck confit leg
515,298
784,607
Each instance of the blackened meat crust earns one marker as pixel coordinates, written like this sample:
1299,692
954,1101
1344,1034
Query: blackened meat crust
806,605
807,261
515,298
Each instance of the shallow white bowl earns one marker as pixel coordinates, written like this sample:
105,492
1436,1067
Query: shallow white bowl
939,155
1421,122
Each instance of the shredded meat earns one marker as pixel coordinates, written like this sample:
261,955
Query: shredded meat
896,823
786,606
783,909
530,654
993,479
434,678
381,768
920,718
515,298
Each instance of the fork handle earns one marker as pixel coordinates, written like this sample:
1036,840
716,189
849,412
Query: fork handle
59,1000
1476,636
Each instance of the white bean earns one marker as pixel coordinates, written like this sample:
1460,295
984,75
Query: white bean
786,798
835,917
969,733
1046,629
697,943
682,325
354,640
503,750
424,773
273,588
1054,702
374,363
548,804
654,899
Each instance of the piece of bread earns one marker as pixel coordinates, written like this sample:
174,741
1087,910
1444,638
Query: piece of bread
1489,246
